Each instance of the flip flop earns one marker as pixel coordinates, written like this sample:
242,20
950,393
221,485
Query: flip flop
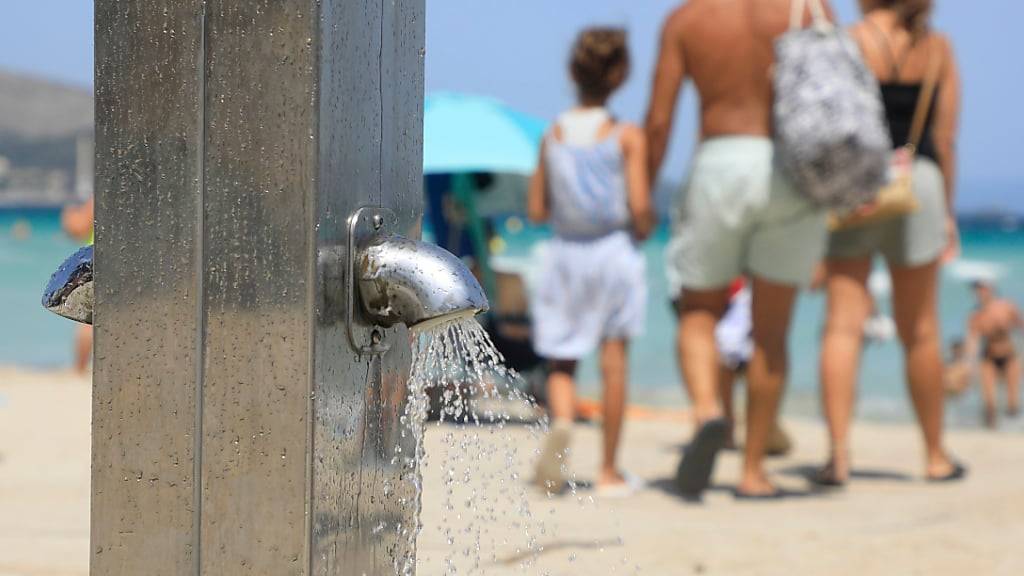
827,477
959,472
694,473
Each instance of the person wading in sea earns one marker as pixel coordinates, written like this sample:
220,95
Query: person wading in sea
991,329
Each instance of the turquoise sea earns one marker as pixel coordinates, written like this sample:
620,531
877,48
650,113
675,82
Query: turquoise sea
32,245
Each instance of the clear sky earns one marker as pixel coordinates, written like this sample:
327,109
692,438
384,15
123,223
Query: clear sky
515,50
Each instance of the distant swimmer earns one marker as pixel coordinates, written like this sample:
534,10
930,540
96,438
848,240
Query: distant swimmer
21,230
990,332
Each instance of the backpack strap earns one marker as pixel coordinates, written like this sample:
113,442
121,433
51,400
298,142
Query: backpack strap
819,19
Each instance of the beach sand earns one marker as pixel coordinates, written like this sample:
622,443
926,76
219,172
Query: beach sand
887,522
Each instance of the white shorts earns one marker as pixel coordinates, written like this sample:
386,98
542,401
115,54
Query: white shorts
588,291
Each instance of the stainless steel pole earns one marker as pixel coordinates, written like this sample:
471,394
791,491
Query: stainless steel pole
235,430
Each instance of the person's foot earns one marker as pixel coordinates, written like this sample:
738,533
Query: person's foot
554,458
945,470
990,418
613,484
694,473
610,478
757,488
956,472
836,472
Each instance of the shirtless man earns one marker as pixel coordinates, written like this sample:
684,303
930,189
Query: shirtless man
991,329
736,217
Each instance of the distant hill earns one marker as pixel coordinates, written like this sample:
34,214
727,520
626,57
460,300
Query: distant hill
34,108
41,124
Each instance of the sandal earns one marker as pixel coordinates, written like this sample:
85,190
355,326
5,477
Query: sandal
959,472
828,476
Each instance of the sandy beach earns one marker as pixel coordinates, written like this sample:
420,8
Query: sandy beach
887,522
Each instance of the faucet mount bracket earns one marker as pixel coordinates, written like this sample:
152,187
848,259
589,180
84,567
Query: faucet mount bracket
365,225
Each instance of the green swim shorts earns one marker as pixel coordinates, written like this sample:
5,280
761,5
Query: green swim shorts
738,215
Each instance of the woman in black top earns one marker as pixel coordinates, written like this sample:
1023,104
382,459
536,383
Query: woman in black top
901,49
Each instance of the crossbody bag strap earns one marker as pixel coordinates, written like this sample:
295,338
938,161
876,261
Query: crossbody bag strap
924,102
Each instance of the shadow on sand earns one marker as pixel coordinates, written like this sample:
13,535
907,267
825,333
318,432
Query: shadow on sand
808,472
668,486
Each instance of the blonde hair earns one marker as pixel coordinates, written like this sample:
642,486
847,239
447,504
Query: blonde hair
599,61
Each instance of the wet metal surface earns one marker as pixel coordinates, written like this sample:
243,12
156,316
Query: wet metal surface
146,353
235,431
372,69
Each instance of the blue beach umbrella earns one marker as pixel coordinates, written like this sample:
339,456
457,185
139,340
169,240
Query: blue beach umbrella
465,133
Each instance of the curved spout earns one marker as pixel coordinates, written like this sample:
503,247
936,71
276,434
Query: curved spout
403,281
69,293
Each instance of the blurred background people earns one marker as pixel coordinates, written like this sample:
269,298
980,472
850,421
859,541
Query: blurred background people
77,222
957,377
990,331
591,185
899,47
737,215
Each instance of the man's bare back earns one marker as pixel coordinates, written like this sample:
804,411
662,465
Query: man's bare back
727,48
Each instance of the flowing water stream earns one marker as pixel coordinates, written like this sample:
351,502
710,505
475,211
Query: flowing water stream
486,518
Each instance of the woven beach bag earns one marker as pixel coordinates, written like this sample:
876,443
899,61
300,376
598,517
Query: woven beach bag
831,136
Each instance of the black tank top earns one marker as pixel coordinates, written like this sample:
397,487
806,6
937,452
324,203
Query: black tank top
900,105
901,100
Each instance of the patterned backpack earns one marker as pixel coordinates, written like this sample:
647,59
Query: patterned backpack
831,135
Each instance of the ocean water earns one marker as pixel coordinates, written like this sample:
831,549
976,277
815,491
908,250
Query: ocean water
32,246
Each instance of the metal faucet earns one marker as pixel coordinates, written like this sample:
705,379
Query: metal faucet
398,281
69,293
403,281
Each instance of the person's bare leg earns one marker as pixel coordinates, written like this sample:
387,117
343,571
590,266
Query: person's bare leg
849,304
83,349
614,363
766,377
989,393
726,385
1013,374
915,304
562,391
552,466
698,353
